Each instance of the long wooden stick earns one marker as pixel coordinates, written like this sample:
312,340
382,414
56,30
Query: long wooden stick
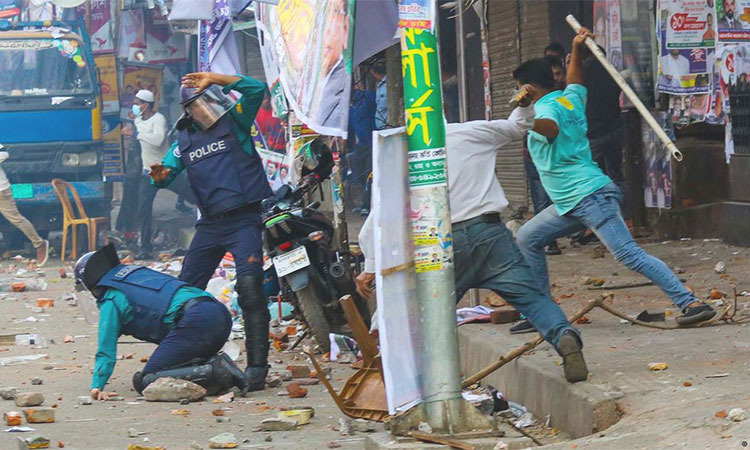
518,351
597,52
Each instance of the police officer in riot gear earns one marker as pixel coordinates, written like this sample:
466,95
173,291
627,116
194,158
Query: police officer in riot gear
226,174
188,324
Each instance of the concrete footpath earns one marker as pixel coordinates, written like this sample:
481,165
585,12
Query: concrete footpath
625,405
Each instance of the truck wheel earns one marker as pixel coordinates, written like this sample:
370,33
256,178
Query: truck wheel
313,313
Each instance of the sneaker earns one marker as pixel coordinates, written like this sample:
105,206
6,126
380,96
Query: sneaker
42,253
696,314
522,327
553,249
573,363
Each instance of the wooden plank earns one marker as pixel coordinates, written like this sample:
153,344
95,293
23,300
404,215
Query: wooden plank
453,443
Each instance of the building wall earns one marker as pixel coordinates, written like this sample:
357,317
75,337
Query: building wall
517,30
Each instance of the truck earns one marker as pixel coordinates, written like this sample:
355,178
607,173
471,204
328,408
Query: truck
50,121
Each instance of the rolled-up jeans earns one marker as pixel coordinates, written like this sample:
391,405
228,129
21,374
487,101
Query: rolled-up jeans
487,257
599,211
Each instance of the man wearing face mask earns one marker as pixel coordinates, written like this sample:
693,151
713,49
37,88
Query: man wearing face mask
151,132
226,174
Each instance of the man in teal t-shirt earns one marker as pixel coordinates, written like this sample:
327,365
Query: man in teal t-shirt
582,195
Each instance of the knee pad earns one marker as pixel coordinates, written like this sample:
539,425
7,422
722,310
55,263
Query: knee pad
250,292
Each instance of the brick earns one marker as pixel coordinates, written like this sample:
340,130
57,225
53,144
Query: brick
12,418
296,391
504,316
29,399
299,370
39,415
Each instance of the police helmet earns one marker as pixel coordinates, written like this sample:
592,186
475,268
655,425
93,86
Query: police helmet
206,107
91,267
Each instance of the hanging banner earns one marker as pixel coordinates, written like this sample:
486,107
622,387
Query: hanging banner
101,27
9,8
132,32
276,161
312,41
135,79
689,23
657,165
733,20
684,71
162,45
607,28
110,92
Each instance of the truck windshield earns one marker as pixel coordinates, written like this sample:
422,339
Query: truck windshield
43,67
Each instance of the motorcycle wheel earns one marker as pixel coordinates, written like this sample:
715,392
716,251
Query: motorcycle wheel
313,313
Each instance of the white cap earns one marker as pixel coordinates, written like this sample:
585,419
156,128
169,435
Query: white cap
145,95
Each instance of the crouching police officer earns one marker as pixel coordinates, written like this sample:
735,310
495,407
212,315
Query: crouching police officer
188,324
226,174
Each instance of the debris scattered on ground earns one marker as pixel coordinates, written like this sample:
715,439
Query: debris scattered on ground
40,414
687,384
721,414
658,366
362,426
583,320
302,416
345,427
718,375
501,446
277,424
12,418
180,412
296,391
36,381
424,427
32,442
171,390
8,393
24,399
226,398
720,267
737,414
299,370
716,294
133,433
344,349
19,430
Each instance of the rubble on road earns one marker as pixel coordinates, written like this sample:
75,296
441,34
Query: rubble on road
277,424
23,399
172,390
40,414
33,442
8,393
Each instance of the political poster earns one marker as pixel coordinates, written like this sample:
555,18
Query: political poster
733,20
110,92
276,162
607,28
684,71
132,32
271,68
638,67
415,14
312,42
657,189
137,77
689,23
396,282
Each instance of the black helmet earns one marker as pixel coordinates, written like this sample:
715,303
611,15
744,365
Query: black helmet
91,267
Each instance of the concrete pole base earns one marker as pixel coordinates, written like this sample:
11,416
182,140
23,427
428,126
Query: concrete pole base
455,417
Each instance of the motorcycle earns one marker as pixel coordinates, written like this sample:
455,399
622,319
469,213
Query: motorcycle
312,271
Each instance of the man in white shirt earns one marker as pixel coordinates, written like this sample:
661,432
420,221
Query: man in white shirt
9,210
485,254
673,66
151,132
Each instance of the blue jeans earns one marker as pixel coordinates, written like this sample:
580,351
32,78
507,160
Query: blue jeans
599,211
486,257
539,197
200,333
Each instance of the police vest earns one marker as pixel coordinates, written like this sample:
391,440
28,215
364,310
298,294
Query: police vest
222,176
149,293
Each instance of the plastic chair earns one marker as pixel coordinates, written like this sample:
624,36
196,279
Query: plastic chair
71,219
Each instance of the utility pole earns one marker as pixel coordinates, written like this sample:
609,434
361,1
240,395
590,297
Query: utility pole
443,407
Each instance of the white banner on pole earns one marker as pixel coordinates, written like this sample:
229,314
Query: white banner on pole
398,307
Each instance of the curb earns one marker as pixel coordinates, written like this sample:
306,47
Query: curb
579,409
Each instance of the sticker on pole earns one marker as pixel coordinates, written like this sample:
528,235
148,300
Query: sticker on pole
415,14
428,259
427,168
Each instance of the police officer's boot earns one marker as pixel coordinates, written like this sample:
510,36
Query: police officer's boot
217,375
256,316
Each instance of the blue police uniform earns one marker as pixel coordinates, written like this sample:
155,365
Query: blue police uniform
187,323
227,177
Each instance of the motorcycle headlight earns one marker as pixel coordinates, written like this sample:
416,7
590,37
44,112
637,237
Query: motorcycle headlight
85,159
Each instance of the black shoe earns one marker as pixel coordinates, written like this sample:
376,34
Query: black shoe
138,382
696,314
522,327
255,378
573,363
553,249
